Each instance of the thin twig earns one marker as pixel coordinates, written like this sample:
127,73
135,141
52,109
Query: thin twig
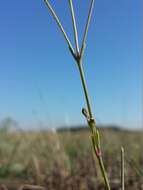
59,24
78,58
85,89
92,125
122,169
74,26
86,28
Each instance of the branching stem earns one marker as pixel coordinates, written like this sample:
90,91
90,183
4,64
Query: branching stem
78,58
59,24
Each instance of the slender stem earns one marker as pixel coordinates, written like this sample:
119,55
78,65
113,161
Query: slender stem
78,59
84,87
74,26
59,24
122,169
90,116
103,171
86,28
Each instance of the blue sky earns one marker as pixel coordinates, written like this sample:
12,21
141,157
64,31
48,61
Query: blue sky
39,79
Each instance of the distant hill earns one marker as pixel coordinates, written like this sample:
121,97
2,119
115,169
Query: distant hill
77,128
85,128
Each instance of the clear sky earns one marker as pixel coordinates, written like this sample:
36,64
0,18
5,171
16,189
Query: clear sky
39,80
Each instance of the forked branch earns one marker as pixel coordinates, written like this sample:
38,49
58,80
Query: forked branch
59,25
78,58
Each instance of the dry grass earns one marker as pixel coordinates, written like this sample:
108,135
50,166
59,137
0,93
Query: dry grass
64,160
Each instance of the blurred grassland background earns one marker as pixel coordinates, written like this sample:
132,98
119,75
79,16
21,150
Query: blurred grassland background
63,159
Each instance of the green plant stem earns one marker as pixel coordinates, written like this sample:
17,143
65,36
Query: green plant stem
102,168
78,58
99,157
122,169
84,87
74,26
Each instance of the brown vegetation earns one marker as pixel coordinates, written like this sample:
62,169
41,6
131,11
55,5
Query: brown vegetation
64,160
